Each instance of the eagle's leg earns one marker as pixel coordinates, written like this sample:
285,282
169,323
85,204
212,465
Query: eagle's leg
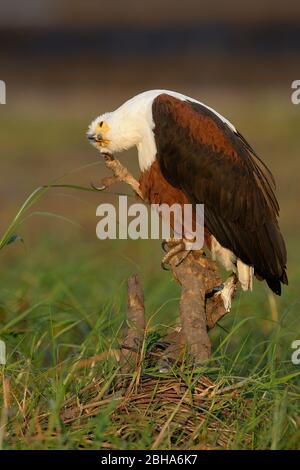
120,173
176,246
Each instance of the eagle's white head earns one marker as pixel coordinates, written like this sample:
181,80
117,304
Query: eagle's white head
128,126
116,131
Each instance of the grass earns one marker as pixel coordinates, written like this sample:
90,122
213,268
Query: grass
58,309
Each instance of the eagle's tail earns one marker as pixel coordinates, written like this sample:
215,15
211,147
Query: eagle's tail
275,284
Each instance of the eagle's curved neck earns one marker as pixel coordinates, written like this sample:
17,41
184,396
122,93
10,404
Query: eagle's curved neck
137,122
147,149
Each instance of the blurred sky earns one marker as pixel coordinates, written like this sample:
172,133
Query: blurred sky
87,43
64,62
53,13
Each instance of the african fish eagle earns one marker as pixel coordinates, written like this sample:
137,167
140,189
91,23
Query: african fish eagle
189,153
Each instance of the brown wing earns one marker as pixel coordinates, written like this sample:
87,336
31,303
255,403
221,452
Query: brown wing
213,164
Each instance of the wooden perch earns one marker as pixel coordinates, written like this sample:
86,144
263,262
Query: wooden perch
135,331
200,309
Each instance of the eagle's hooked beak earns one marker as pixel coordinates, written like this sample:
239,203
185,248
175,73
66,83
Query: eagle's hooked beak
95,138
91,137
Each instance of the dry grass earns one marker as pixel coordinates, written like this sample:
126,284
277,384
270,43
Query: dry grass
181,412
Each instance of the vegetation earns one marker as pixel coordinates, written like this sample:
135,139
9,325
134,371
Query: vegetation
63,307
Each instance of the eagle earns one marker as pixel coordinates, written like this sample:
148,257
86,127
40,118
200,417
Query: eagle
189,153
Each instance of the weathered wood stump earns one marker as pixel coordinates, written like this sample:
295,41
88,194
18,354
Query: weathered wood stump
199,309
